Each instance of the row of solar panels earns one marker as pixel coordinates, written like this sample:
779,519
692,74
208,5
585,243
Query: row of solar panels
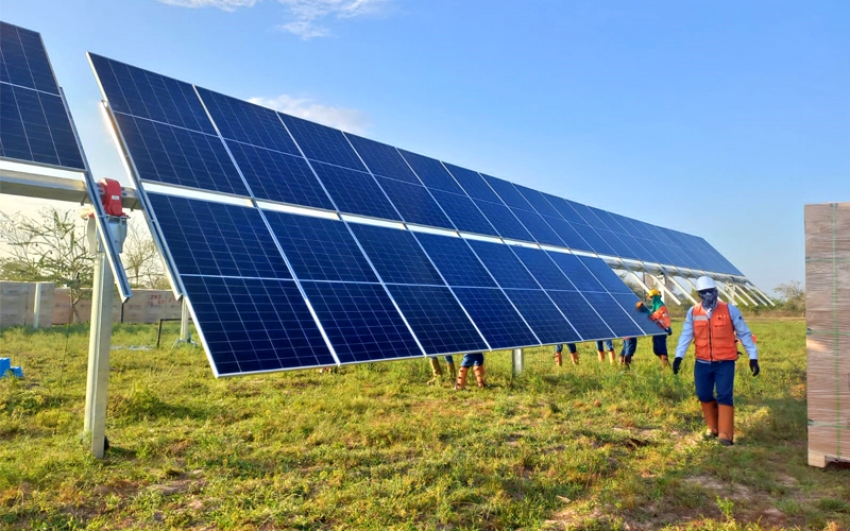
268,287
175,132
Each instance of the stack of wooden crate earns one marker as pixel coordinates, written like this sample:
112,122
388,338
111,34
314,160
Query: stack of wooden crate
828,331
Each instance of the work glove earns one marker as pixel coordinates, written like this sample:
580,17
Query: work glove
754,367
677,364
669,331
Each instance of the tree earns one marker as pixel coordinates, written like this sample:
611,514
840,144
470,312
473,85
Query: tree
51,247
792,295
141,258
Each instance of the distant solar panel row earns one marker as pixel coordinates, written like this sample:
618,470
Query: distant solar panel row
257,277
273,290
34,122
183,135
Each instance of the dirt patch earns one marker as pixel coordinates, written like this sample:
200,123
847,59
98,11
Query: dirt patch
737,491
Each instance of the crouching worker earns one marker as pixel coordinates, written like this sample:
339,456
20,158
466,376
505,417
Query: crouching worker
476,361
712,325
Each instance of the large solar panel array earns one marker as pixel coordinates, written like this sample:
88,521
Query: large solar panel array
35,125
311,246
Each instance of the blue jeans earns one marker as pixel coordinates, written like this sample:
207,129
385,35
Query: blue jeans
476,358
629,346
709,375
570,346
659,345
609,345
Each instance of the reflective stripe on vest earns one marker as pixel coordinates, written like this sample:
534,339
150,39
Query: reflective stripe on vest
714,337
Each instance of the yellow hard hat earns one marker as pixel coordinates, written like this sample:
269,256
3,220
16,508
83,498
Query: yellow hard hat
654,293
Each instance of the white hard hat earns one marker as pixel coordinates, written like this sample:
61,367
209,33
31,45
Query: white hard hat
705,282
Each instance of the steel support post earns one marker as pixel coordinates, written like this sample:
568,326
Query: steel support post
37,305
100,339
517,361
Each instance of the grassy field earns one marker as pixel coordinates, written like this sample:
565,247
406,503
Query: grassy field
373,447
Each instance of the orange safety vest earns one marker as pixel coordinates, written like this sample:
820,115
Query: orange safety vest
661,317
714,338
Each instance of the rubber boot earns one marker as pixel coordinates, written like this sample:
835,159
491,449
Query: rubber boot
726,424
613,356
436,369
479,376
664,362
709,411
601,355
461,378
452,370
574,357
558,360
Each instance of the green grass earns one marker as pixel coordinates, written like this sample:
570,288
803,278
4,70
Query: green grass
373,447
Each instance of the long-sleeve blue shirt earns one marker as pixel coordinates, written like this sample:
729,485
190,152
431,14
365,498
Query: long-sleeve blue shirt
741,330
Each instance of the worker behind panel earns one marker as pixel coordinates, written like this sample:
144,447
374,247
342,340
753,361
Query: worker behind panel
608,345
629,349
658,314
438,370
712,325
559,349
476,361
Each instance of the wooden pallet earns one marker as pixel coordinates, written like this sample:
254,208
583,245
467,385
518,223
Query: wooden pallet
821,459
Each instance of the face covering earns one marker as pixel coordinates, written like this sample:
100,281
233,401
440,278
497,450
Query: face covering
709,299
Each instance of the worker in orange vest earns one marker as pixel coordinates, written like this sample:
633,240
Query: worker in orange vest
658,314
712,325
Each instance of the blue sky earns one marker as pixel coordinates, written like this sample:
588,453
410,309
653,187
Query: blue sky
721,119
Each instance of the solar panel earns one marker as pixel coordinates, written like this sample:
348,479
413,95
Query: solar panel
542,316
437,319
24,61
369,289
361,321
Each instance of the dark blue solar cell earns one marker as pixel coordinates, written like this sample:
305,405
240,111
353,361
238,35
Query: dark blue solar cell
539,229
605,275
588,215
431,172
252,325
616,244
361,322
581,315
627,301
36,128
610,221
320,249
463,213
207,238
323,143
578,274
568,234
178,156
248,123
382,159
503,265
614,315
473,183
543,316
279,177
355,192
508,192
455,260
396,255
537,200
651,253
593,239
23,59
568,211
437,319
496,318
504,221
414,203
543,269
141,93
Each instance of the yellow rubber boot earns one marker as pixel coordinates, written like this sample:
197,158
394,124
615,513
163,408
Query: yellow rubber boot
461,378
436,369
479,375
613,356
709,411
452,370
574,357
601,355
664,361
726,424
558,360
